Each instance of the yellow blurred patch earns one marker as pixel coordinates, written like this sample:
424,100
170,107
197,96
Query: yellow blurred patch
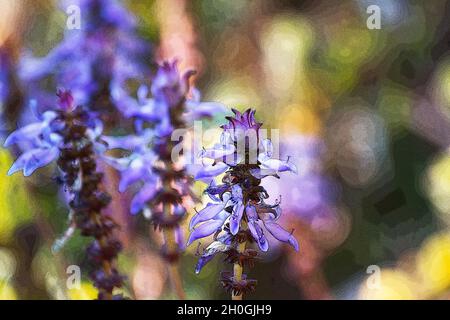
438,185
302,120
433,264
394,285
288,39
7,292
86,292
14,205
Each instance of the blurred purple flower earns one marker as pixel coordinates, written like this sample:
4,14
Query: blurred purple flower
169,90
93,60
8,93
137,167
307,192
5,69
163,186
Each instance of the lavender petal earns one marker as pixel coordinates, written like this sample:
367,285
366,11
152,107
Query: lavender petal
236,218
204,230
280,234
258,235
211,171
142,197
209,212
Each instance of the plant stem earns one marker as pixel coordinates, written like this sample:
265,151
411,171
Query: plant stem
172,249
176,282
237,271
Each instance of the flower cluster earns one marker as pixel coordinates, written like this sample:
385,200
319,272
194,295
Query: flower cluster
71,134
93,61
239,213
42,140
98,62
164,186
311,193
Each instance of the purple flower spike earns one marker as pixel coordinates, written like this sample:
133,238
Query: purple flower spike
42,140
71,135
93,61
163,187
239,214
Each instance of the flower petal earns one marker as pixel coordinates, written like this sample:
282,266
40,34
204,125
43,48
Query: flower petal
219,151
255,228
250,212
258,235
129,177
280,234
204,230
128,142
210,171
209,212
203,260
120,164
27,133
142,197
236,217
39,158
273,166
19,163
236,193
214,190
268,148
221,245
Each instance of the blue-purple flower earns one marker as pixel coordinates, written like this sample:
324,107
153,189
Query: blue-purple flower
307,192
168,106
169,91
5,68
102,55
7,87
239,213
240,143
136,168
70,133
162,188
41,141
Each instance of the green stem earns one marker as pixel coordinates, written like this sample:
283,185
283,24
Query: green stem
238,268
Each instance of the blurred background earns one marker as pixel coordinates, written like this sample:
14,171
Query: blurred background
364,113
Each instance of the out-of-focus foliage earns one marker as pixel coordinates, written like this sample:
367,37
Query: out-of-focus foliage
366,112
15,205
